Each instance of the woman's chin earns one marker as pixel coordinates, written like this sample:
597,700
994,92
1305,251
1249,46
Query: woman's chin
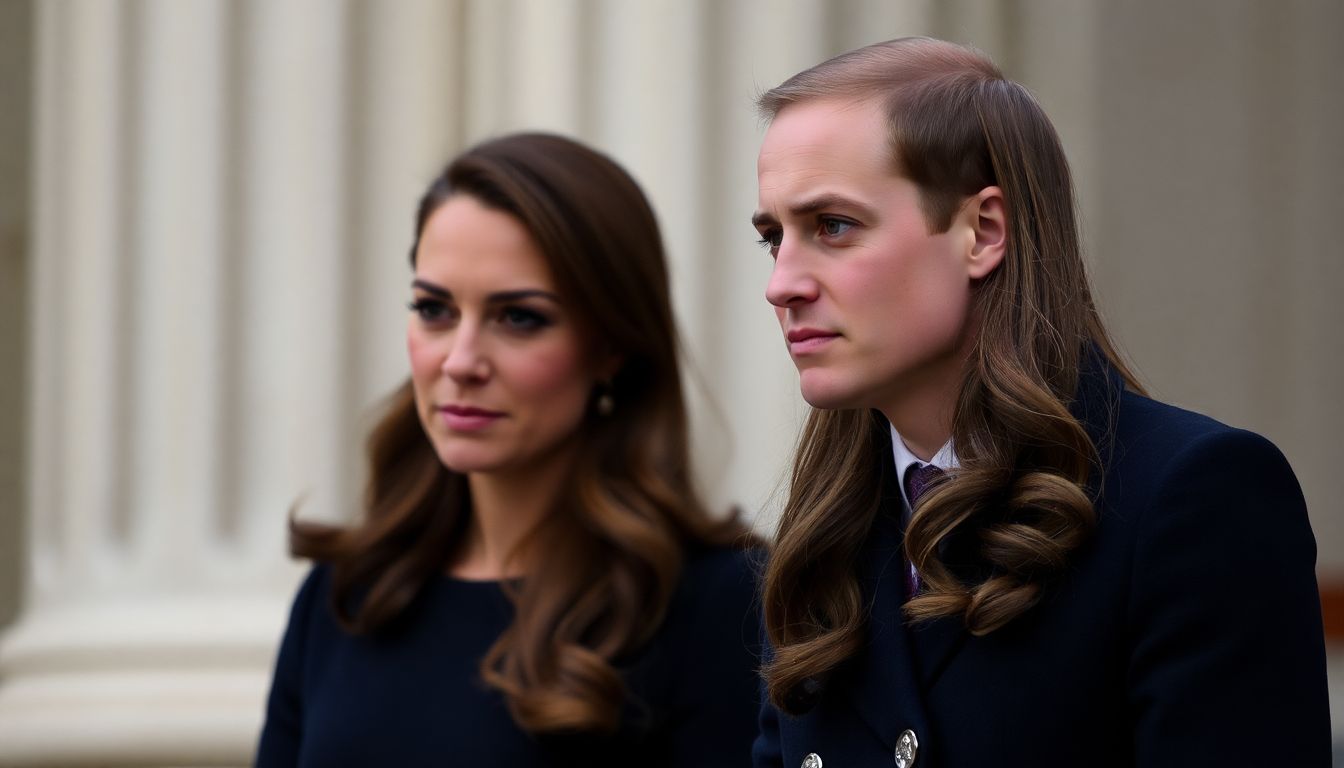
467,462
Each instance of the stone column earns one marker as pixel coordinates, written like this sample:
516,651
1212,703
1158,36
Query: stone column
206,325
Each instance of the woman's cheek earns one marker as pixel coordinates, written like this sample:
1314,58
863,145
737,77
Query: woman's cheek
421,353
553,371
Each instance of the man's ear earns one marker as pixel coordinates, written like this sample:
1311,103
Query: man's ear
989,221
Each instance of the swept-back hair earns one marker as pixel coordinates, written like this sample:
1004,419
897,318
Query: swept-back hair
1017,508
618,534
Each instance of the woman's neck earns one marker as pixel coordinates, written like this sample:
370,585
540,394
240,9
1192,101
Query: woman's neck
505,508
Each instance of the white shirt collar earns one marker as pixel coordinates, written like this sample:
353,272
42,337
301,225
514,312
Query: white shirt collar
945,458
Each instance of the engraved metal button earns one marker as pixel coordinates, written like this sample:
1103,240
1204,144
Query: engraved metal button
813,760
907,746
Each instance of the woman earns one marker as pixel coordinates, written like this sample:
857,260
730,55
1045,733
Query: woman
535,581
996,549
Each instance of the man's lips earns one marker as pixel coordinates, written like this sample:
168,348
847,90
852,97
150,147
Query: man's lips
804,340
803,334
467,418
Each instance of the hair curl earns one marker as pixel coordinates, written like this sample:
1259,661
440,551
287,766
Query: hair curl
995,532
622,526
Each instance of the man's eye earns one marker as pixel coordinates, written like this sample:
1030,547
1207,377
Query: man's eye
831,227
770,239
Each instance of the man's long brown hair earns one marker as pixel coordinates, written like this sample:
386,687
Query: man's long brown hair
1018,505
617,535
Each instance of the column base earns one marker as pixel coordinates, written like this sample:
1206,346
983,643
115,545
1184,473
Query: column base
178,682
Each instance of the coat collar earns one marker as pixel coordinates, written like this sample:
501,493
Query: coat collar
1096,404
901,661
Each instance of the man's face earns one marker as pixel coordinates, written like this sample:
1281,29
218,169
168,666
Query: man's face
874,308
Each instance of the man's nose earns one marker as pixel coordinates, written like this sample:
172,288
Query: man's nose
791,281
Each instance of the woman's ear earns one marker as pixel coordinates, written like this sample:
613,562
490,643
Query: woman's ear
608,365
989,221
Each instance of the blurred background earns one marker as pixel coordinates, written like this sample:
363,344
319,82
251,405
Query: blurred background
205,210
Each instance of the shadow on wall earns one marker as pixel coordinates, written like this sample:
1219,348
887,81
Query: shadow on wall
16,70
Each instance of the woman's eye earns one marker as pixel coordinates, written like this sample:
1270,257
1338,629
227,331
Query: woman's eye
429,310
831,227
522,319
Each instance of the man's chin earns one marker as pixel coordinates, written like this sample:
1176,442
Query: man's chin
827,395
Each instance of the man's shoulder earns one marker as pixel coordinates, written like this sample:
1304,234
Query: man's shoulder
1162,430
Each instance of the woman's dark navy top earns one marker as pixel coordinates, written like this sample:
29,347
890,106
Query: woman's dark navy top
413,696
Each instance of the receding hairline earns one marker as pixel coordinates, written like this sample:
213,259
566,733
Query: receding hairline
880,71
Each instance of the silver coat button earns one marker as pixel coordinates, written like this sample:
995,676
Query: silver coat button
813,760
907,746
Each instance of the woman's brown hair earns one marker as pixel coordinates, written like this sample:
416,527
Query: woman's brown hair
619,532
1017,507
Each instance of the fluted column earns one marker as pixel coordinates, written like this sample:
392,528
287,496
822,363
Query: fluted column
205,314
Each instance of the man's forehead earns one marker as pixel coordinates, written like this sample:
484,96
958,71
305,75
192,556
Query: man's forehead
826,116
822,133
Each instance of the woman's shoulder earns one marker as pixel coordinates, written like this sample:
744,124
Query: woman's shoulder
711,627
718,586
713,570
314,589
308,611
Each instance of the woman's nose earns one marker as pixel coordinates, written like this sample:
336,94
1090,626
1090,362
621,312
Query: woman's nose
466,360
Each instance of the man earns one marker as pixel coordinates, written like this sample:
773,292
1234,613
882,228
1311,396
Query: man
996,550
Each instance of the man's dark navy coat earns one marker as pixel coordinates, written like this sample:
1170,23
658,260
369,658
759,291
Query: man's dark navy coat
1187,633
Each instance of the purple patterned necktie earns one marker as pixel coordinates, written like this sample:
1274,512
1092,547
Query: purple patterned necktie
918,478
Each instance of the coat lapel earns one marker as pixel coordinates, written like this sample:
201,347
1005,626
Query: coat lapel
899,661
933,646
884,684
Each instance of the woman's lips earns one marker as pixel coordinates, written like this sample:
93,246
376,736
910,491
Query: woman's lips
803,341
466,418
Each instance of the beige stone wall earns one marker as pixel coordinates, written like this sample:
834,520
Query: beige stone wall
1215,227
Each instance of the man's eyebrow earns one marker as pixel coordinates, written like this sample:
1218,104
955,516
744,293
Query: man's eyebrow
822,202
810,206
498,297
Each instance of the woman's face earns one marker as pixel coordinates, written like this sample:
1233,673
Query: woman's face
501,373
873,306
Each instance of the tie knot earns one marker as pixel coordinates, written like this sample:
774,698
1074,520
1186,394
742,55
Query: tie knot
918,478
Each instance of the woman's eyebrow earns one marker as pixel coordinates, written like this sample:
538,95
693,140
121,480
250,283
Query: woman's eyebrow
431,288
498,297
504,297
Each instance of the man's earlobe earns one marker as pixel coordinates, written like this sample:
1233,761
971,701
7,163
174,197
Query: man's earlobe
991,232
